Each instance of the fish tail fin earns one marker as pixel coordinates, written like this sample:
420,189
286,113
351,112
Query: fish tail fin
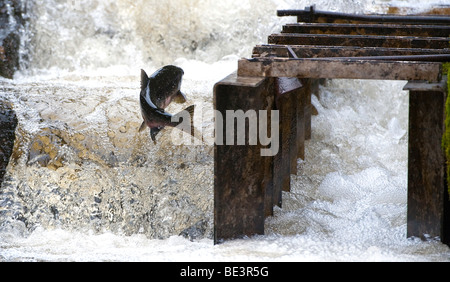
182,114
144,79
190,110
193,130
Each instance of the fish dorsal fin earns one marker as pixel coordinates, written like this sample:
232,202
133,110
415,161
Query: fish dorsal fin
144,79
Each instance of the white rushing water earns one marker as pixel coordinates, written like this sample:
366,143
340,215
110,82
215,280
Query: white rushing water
106,193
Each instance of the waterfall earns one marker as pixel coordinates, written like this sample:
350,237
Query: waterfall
80,167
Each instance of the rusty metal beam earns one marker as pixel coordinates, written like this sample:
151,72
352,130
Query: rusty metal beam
311,15
335,68
338,51
369,29
359,40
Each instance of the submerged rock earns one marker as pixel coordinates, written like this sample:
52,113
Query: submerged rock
11,21
9,55
8,123
196,231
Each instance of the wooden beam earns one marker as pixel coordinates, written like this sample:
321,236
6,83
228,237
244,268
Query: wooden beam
308,108
439,9
334,68
428,214
440,86
303,121
312,15
285,163
369,29
359,40
243,181
307,51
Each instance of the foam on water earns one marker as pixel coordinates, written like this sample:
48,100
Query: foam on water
61,245
347,202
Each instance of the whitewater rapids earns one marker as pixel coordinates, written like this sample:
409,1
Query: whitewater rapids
84,185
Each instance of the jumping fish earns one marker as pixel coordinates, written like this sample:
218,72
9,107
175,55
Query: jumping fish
157,92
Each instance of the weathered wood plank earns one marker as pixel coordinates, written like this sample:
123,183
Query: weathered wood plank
339,51
438,9
288,89
308,108
369,29
427,188
243,181
335,68
301,102
410,58
440,86
359,40
311,15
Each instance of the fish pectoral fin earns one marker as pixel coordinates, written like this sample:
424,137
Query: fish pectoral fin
180,98
142,127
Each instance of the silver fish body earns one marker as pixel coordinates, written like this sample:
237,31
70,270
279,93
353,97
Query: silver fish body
157,92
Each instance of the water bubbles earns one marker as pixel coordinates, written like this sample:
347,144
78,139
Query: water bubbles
395,129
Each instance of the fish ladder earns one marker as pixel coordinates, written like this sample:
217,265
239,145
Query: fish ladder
278,80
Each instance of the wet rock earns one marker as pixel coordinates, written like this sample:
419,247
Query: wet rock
196,231
44,149
11,21
8,123
13,229
80,163
9,55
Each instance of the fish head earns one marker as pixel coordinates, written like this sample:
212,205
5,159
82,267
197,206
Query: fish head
165,85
